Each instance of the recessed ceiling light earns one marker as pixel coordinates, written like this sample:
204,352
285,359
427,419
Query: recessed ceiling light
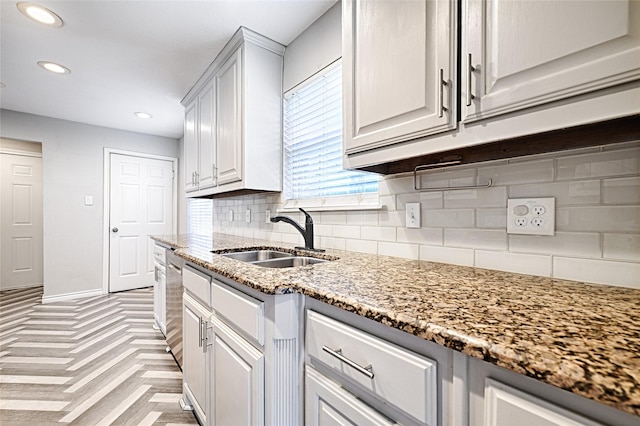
144,115
53,67
40,14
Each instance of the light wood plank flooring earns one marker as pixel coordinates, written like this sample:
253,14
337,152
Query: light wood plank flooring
92,361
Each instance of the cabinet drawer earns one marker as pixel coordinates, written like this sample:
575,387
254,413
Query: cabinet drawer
197,284
159,254
244,312
401,377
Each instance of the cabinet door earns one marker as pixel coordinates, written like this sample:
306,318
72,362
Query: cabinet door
394,54
162,302
327,404
506,406
237,379
194,366
526,53
206,160
229,137
190,147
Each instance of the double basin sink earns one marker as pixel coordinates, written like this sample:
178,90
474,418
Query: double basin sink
273,258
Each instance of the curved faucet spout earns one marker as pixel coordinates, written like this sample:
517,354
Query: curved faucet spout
307,231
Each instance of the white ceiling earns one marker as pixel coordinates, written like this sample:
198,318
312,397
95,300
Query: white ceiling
128,56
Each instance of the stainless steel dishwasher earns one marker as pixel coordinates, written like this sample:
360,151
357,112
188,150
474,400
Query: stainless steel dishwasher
174,305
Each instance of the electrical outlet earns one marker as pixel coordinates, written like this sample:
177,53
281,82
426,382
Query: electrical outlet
531,216
247,216
267,216
413,215
230,215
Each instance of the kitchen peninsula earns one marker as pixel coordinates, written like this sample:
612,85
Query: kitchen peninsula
579,337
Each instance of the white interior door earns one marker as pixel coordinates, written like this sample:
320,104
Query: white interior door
141,204
20,221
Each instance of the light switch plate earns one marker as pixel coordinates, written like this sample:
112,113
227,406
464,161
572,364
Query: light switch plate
413,215
531,216
247,216
230,215
88,200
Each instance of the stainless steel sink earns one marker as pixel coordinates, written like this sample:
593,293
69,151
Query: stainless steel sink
256,255
272,258
290,262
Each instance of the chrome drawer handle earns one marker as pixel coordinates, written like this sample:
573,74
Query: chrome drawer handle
367,371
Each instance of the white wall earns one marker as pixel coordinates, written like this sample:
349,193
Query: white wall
72,155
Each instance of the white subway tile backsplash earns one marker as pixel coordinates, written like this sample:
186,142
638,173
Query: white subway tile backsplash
378,233
514,262
427,200
599,219
333,243
455,256
562,243
622,247
485,197
489,239
622,191
449,218
609,163
566,193
396,185
408,251
344,231
332,218
521,172
458,177
430,236
491,218
624,274
397,218
597,192
363,246
367,218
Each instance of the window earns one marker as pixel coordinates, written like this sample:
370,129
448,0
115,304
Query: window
313,172
200,216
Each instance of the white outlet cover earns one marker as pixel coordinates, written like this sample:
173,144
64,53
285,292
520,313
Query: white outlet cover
267,216
413,215
247,216
230,215
531,216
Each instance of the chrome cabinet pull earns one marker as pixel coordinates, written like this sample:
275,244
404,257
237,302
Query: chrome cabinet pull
367,371
441,85
199,332
470,70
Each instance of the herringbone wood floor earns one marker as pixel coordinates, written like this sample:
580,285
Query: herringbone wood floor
92,361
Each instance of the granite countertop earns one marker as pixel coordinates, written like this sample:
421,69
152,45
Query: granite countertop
580,337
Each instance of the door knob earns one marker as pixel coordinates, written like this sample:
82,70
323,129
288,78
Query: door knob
114,229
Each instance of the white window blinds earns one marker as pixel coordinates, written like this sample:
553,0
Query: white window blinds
313,147
200,216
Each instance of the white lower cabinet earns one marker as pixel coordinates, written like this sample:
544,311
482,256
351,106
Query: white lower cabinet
159,298
394,379
195,353
507,406
237,379
328,404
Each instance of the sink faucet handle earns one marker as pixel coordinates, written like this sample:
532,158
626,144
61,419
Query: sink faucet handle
308,218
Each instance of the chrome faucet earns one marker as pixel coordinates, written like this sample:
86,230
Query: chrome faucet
307,231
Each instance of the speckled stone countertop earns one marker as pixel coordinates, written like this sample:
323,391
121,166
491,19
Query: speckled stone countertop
580,337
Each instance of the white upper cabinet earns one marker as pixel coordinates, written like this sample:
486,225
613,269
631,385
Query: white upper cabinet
525,53
229,119
237,130
191,146
399,71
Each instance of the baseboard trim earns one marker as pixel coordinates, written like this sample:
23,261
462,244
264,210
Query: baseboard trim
24,286
70,296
